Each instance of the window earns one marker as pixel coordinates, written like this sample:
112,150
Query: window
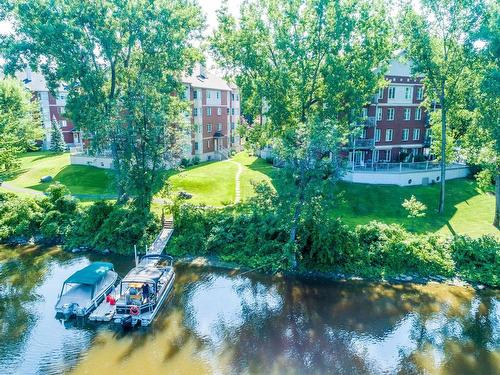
209,94
406,134
232,126
62,110
377,135
364,113
195,94
375,155
63,124
388,155
379,114
390,114
232,139
381,93
363,134
388,135
218,111
232,96
219,127
407,114
209,111
232,111
408,93
237,97
195,111
392,92
418,114
209,128
208,143
196,146
420,93
217,94
416,134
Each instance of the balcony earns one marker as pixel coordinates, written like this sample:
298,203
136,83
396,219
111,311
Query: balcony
427,121
362,143
427,142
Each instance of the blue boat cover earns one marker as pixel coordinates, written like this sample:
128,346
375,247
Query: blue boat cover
91,274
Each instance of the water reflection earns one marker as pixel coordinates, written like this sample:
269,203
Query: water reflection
224,323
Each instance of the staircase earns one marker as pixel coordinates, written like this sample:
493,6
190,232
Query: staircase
222,154
168,224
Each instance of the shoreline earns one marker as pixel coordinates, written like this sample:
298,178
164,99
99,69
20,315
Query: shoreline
215,262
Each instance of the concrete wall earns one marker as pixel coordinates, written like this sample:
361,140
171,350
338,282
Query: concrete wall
405,178
99,162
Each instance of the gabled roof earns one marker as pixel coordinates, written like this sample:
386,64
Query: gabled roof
91,274
202,78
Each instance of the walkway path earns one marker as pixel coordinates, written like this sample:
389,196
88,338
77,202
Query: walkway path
237,196
17,189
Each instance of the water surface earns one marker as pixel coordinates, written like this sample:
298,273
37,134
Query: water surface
222,322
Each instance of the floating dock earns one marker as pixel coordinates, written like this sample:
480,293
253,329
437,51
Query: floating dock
103,313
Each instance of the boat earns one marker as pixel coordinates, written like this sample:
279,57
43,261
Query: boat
84,290
143,290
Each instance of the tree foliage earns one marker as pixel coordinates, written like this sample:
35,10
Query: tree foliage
305,68
20,124
57,143
438,41
122,62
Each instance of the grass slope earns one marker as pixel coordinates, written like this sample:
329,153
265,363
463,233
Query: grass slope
210,183
80,179
467,210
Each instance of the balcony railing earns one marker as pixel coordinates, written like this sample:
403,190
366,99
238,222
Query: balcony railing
427,142
362,143
382,166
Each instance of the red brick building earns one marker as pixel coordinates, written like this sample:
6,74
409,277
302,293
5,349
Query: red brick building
52,109
395,126
215,115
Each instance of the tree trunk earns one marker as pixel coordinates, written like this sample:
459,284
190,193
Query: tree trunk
443,150
296,217
496,221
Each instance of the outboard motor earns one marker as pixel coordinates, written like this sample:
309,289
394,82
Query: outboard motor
69,309
126,322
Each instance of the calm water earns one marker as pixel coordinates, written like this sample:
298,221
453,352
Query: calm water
220,322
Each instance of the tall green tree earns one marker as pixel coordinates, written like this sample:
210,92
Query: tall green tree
482,136
122,62
305,69
20,124
438,41
57,143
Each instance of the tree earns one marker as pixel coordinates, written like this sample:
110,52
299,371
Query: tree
122,62
305,69
57,143
414,208
20,125
438,41
483,135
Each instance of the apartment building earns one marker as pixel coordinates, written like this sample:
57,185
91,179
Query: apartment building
395,127
215,115
52,109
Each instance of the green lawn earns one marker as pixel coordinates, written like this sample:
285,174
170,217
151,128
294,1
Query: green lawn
80,179
213,183
210,183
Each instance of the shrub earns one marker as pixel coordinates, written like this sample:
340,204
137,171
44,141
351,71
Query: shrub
19,217
477,259
196,160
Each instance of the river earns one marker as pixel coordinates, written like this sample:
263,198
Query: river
222,322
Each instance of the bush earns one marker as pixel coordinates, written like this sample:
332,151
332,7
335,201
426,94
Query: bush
196,160
19,217
477,259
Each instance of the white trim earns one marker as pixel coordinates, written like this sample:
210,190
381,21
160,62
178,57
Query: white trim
385,147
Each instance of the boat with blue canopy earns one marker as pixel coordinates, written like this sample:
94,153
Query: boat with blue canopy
84,290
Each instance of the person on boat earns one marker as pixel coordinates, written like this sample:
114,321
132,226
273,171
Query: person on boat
145,292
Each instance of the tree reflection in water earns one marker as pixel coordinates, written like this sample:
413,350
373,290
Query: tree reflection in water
221,322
